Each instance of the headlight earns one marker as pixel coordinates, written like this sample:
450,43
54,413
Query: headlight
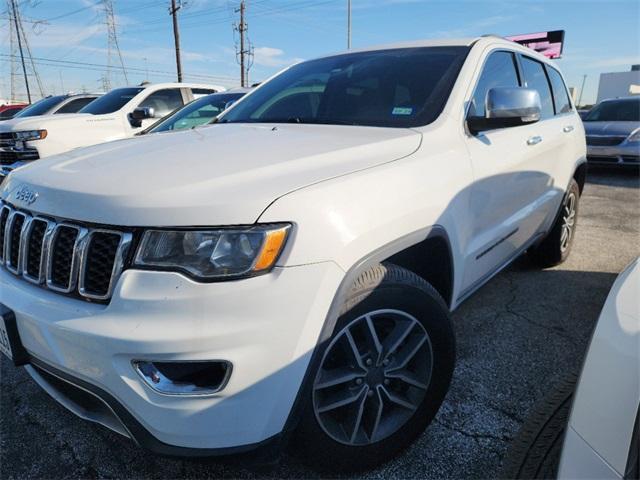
27,135
213,254
635,136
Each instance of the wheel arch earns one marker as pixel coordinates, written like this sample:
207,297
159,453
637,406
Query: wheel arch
422,247
580,175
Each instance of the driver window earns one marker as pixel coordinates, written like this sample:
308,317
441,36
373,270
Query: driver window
164,101
499,71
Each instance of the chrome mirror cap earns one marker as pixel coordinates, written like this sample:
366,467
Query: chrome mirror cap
521,103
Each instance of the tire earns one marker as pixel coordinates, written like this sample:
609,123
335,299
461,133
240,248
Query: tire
396,304
554,249
535,452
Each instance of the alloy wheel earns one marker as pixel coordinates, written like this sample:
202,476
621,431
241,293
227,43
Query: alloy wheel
373,377
568,221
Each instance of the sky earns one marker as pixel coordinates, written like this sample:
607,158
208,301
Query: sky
68,39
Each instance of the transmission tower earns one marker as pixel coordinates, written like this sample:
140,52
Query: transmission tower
13,56
17,36
113,48
28,49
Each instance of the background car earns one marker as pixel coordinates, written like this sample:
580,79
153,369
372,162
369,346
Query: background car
198,112
118,114
8,111
613,132
54,104
587,427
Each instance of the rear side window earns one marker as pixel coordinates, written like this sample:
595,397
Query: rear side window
499,71
560,94
536,78
164,101
201,92
75,105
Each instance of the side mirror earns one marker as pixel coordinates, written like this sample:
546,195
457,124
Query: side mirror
142,113
507,107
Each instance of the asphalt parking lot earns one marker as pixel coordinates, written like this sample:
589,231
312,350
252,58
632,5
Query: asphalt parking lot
515,338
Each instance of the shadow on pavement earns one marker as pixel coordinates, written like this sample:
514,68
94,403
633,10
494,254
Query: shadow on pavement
626,177
515,336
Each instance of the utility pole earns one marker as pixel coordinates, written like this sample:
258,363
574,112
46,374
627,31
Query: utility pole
24,68
176,35
242,28
244,52
584,79
348,24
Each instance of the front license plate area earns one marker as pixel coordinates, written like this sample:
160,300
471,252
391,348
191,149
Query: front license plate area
10,344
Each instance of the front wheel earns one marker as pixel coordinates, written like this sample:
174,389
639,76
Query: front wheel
556,246
382,376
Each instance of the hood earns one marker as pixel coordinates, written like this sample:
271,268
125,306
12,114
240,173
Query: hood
215,175
610,128
42,121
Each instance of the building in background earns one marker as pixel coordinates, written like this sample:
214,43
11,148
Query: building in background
619,84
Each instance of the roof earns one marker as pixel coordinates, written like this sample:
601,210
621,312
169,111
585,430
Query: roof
448,42
631,98
179,85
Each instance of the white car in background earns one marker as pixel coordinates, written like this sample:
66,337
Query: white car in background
588,426
118,114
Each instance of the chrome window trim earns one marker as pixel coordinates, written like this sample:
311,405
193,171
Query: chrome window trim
75,259
478,73
15,269
118,264
43,252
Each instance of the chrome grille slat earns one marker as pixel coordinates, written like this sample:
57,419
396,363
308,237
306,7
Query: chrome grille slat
4,217
39,277
118,263
14,233
54,254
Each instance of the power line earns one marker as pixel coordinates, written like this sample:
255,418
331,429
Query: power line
101,67
265,12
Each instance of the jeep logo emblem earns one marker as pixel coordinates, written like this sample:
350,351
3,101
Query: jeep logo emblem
26,195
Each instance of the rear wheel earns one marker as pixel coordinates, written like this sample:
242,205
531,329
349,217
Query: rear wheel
556,246
383,374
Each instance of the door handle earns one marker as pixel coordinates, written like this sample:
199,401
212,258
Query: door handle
534,140
568,128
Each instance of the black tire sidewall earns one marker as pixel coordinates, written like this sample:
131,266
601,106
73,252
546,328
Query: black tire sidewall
428,308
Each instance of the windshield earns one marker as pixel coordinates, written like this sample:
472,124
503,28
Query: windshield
112,101
40,107
404,87
198,112
615,111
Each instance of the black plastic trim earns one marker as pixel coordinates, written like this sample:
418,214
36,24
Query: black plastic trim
270,447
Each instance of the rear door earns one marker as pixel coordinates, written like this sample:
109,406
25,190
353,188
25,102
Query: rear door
75,104
568,126
512,183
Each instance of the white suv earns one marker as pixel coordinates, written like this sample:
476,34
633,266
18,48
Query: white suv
290,270
120,113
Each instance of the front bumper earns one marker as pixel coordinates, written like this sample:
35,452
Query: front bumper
627,153
266,326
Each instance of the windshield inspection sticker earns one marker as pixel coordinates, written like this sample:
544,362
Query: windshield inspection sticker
402,111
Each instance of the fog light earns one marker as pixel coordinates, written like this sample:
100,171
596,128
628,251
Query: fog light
184,378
